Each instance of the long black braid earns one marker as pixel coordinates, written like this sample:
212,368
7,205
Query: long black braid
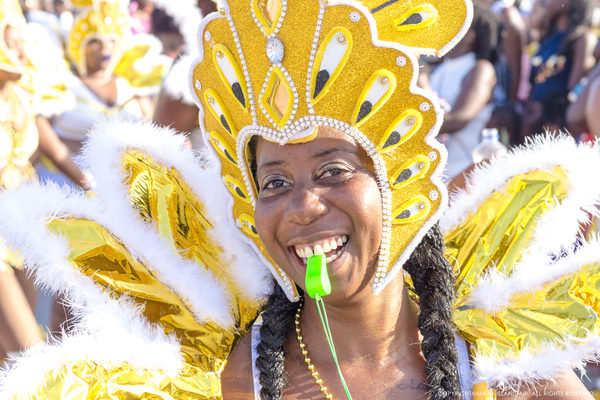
434,283
278,319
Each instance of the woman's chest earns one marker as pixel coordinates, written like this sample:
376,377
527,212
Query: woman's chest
363,382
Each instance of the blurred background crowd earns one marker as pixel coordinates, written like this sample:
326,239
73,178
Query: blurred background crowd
525,67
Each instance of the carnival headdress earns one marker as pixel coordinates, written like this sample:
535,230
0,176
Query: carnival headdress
280,69
103,19
10,15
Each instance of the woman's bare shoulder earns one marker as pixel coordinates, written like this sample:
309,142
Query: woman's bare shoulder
568,387
237,381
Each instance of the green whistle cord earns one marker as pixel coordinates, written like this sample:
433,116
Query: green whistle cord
323,315
317,285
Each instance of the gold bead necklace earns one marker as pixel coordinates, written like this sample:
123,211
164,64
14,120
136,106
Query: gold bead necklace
311,367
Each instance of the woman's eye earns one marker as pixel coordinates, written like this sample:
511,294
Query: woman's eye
275,184
334,172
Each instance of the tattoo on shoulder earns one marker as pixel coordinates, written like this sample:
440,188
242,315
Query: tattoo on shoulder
413,385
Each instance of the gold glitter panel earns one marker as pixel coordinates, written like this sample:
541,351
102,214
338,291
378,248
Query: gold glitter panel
427,26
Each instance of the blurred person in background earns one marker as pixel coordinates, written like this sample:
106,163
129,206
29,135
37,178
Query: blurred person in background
166,30
62,9
563,58
583,118
93,91
19,142
465,79
141,15
511,66
175,107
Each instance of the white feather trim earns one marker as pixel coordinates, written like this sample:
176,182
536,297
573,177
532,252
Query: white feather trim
547,364
117,330
28,373
102,155
542,152
496,290
556,229
175,83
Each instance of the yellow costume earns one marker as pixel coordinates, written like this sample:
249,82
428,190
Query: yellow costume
163,262
18,133
136,60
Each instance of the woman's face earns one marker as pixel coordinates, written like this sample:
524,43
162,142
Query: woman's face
98,54
320,193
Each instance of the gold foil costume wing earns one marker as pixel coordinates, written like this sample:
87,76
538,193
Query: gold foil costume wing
162,287
527,287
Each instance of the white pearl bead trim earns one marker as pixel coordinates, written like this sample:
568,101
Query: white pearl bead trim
433,156
425,107
238,45
279,21
294,91
207,36
304,123
355,16
434,195
313,54
401,61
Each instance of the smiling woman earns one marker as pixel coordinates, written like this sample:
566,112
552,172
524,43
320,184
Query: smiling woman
190,279
321,196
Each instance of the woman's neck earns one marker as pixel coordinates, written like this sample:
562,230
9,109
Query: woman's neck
99,76
371,330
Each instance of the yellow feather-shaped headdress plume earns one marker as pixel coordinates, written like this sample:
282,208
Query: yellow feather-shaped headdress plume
280,69
97,19
426,26
10,15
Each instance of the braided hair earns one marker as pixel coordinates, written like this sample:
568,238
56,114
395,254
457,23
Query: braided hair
433,279
277,321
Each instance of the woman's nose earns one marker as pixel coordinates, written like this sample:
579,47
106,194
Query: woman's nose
305,206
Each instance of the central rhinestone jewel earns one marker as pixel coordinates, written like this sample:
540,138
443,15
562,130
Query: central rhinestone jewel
275,50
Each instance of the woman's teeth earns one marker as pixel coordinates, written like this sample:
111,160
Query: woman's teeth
323,247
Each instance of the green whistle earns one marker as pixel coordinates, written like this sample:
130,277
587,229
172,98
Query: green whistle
317,278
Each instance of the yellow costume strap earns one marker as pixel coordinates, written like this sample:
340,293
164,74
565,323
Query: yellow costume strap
526,297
